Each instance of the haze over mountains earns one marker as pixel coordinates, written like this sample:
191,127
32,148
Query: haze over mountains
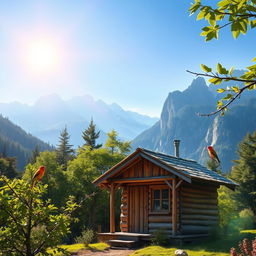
49,115
179,120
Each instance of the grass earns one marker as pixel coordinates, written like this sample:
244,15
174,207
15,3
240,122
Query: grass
72,248
162,251
211,247
249,231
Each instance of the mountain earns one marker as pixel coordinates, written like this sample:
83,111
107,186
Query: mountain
49,114
179,120
15,142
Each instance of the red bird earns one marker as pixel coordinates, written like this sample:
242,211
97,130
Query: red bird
38,175
213,155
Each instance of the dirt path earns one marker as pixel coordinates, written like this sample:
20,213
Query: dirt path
109,252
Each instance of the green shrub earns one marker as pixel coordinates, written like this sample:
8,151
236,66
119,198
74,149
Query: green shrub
86,237
160,237
246,219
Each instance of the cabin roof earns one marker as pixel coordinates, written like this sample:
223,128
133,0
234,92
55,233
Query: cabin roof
184,168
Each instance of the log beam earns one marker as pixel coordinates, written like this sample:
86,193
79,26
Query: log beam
174,207
112,208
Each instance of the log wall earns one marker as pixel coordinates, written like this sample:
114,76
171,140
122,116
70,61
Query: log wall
199,208
124,210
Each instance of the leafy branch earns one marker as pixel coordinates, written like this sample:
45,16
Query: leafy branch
248,79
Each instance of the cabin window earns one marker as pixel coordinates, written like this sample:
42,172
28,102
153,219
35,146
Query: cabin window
160,199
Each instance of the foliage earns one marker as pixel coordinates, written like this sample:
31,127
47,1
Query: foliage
247,219
160,237
64,149
29,225
245,247
227,211
54,177
90,136
115,145
8,167
244,173
34,155
86,237
86,167
239,16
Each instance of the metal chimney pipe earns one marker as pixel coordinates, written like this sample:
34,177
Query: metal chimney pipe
177,148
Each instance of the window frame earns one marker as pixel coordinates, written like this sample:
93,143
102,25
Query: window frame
161,210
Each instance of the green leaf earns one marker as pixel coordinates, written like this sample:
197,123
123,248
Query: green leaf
200,15
205,68
253,23
215,80
221,90
219,68
231,71
254,59
228,96
235,89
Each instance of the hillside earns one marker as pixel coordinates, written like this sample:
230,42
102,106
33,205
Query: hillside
15,142
179,120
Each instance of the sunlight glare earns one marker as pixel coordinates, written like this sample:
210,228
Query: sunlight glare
43,56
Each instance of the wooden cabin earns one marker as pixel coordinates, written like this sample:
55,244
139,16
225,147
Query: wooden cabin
160,191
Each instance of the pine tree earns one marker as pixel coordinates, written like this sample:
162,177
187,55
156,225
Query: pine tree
35,154
64,149
244,173
90,136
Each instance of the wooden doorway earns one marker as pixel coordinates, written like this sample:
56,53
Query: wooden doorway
138,209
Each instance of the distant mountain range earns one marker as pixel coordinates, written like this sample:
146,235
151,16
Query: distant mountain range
15,142
50,114
179,120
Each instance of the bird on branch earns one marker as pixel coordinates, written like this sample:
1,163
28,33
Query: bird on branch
212,153
38,175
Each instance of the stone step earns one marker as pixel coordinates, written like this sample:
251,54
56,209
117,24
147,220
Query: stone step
122,243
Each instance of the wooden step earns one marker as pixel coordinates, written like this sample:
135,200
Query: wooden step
122,243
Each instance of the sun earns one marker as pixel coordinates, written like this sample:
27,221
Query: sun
43,56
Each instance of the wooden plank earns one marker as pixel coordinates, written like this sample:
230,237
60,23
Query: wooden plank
112,208
200,200
141,210
159,218
200,211
198,217
145,229
194,195
159,225
142,179
136,209
174,208
200,222
199,206
146,168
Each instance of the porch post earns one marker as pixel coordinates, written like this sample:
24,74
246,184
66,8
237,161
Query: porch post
174,208
112,208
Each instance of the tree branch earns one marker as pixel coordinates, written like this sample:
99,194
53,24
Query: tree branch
221,109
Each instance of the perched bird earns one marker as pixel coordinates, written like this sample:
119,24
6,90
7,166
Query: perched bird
213,155
38,175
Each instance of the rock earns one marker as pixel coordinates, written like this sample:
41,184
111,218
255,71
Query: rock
180,253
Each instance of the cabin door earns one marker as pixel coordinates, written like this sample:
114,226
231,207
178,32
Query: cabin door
138,209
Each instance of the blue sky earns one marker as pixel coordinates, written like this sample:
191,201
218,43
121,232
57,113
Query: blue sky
130,52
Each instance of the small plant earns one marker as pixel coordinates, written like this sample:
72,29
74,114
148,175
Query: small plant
246,248
160,237
86,237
